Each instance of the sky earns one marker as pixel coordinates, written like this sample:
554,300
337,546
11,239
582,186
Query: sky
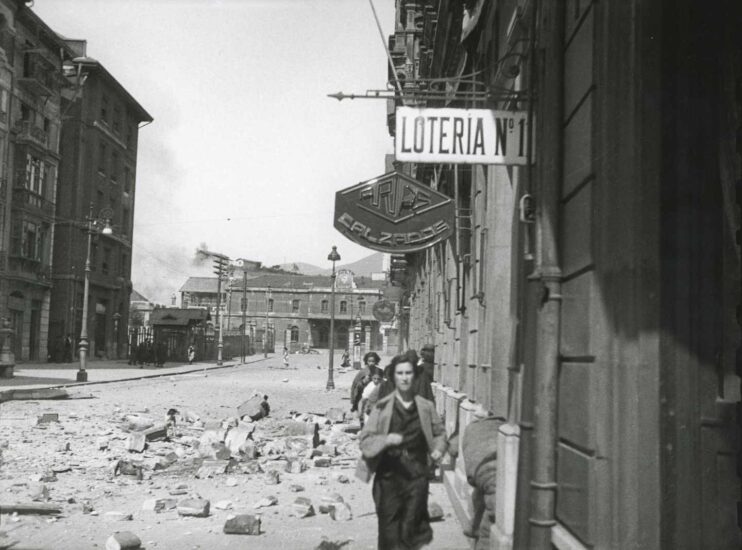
246,150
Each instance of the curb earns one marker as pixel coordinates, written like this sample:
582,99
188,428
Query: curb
144,376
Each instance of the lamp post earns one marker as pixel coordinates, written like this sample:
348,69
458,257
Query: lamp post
100,224
265,332
333,256
357,343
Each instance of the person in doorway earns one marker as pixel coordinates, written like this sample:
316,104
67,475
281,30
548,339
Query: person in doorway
191,354
403,432
68,349
285,357
427,362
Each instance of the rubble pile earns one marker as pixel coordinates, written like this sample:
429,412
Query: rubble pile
171,463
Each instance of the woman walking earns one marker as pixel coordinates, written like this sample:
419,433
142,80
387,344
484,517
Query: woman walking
402,432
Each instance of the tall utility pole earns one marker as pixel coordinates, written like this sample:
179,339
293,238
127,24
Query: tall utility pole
333,256
220,268
243,303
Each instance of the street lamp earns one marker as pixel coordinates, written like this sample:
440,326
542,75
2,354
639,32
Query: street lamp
101,224
333,256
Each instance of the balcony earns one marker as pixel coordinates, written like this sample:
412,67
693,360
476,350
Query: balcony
39,74
27,132
30,269
31,202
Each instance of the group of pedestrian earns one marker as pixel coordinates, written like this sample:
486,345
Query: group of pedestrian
148,353
402,437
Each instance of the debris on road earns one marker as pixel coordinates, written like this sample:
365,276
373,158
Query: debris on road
31,509
243,524
124,540
196,507
303,508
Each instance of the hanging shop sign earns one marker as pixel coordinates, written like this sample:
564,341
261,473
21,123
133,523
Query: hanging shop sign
461,136
383,311
394,213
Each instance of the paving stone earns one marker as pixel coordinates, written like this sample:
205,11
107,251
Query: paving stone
243,524
197,507
124,540
179,490
435,512
157,432
159,504
116,515
272,478
211,468
38,492
136,442
303,508
214,450
223,505
236,438
265,502
295,466
341,512
46,418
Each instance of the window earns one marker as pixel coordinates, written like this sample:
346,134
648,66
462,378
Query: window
106,260
26,113
30,240
325,306
116,120
35,175
127,180
122,264
102,157
104,108
294,334
125,221
295,306
3,101
343,306
114,166
361,307
270,304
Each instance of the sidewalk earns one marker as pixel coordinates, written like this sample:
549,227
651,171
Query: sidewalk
54,375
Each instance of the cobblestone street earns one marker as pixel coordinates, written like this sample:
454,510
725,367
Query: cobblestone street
71,463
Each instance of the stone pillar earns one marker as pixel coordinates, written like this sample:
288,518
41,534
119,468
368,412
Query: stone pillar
7,358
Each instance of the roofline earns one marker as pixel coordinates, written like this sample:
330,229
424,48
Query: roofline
26,11
89,62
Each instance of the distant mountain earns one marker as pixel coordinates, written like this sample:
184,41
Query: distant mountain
362,268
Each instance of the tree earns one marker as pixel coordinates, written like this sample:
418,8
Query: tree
136,318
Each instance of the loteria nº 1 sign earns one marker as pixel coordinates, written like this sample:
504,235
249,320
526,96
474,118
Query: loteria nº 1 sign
461,136
394,213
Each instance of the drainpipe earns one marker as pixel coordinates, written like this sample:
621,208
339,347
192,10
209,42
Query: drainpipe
543,478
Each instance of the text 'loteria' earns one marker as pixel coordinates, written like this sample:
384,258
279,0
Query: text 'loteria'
461,136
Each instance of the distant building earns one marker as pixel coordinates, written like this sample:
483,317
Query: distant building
99,161
295,308
140,309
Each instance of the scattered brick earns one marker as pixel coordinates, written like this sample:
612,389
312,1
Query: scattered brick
435,512
336,415
124,540
136,442
214,450
272,478
223,505
243,524
197,507
115,515
295,466
46,418
296,488
265,502
303,507
210,468
322,462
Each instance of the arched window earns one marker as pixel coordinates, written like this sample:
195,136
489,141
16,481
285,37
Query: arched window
294,334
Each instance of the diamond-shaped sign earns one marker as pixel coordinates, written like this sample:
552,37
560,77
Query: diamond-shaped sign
394,213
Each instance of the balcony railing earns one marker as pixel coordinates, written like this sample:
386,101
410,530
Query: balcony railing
27,131
25,198
38,74
30,268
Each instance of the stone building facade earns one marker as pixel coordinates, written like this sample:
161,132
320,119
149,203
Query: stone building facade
588,298
295,308
31,85
98,175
